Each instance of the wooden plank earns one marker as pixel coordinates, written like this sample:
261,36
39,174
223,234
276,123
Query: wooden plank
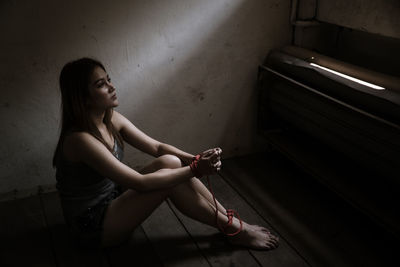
212,244
323,230
264,197
343,177
170,240
25,240
138,251
284,255
66,252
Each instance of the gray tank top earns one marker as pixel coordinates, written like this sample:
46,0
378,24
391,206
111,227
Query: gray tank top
80,186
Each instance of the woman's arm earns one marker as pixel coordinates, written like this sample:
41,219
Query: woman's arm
134,136
143,142
168,149
83,147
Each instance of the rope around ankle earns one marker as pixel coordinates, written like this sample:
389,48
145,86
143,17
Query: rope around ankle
230,213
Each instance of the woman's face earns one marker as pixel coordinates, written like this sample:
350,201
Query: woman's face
102,92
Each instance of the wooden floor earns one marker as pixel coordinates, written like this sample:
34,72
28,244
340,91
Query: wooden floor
315,227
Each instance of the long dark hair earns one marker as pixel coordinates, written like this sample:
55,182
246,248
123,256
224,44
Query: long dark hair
74,85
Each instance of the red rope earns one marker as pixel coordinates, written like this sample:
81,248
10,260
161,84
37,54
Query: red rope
229,212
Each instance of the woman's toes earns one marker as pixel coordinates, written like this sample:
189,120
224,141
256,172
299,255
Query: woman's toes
269,245
256,237
273,239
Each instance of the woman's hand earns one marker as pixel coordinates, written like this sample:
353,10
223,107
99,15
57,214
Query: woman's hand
210,161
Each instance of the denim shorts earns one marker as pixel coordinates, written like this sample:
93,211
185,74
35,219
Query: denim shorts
87,228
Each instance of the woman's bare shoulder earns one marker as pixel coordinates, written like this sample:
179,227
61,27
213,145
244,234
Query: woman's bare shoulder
77,137
118,120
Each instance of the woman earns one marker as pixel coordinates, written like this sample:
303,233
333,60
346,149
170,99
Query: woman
90,173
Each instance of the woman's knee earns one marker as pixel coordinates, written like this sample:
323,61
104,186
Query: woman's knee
163,162
169,161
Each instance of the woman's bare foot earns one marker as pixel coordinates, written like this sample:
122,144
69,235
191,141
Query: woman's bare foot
257,227
255,237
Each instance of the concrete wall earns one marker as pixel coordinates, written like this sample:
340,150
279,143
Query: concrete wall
185,72
379,17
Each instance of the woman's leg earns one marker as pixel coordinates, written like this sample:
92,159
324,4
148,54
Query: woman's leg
196,206
132,208
200,188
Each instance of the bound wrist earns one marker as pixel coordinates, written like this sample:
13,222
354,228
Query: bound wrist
194,166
